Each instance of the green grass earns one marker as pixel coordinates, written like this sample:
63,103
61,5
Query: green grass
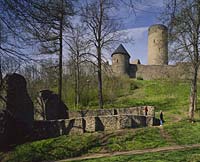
169,96
72,146
181,133
132,139
184,132
52,149
192,155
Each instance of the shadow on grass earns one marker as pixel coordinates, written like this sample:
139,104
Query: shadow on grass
56,149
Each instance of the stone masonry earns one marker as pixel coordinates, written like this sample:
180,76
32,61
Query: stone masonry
95,120
157,67
50,107
157,45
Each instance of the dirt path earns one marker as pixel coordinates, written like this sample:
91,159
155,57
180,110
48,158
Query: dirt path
133,152
166,136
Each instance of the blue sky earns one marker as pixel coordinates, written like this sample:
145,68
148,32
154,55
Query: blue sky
137,25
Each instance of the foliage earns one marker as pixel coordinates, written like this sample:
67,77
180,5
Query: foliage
170,96
182,17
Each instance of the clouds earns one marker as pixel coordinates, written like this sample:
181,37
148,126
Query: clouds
138,47
147,13
136,33
149,5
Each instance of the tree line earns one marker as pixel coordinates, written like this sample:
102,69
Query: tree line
46,26
87,28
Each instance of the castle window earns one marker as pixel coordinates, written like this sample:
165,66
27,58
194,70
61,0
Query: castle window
117,60
154,41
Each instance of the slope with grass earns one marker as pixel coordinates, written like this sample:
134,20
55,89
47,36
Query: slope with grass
170,96
192,155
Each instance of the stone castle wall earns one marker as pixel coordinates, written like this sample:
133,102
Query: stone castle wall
95,120
157,67
149,72
120,63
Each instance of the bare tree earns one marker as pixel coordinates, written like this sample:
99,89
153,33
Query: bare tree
43,23
50,32
102,26
13,37
79,52
9,62
183,19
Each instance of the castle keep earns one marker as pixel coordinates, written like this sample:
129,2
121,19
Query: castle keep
157,67
157,45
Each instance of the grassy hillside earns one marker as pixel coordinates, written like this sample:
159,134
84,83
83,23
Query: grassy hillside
170,96
192,155
181,133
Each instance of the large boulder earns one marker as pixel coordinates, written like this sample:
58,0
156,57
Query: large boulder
19,103
11,131
50,106
7,124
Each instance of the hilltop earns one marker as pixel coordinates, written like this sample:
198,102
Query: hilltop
169,96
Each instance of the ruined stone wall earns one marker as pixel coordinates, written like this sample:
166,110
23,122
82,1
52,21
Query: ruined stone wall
149,72
114,111
95,120
54,128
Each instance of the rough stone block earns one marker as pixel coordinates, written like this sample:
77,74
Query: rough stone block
125,121
19,103
103,123
90,124
78,126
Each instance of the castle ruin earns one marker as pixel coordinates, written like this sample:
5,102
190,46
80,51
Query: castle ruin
158,45
157,67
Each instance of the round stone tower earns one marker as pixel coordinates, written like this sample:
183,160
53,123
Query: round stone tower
158,45
120,61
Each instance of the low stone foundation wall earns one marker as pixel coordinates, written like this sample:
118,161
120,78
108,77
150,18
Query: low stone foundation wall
54,128
140,110
95,120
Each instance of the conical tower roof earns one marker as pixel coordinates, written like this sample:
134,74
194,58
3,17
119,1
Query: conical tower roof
120,50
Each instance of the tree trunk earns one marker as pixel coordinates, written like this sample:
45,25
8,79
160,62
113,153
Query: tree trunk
100,91
1,75
99,32
60,60
193,95
77,78
78,91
